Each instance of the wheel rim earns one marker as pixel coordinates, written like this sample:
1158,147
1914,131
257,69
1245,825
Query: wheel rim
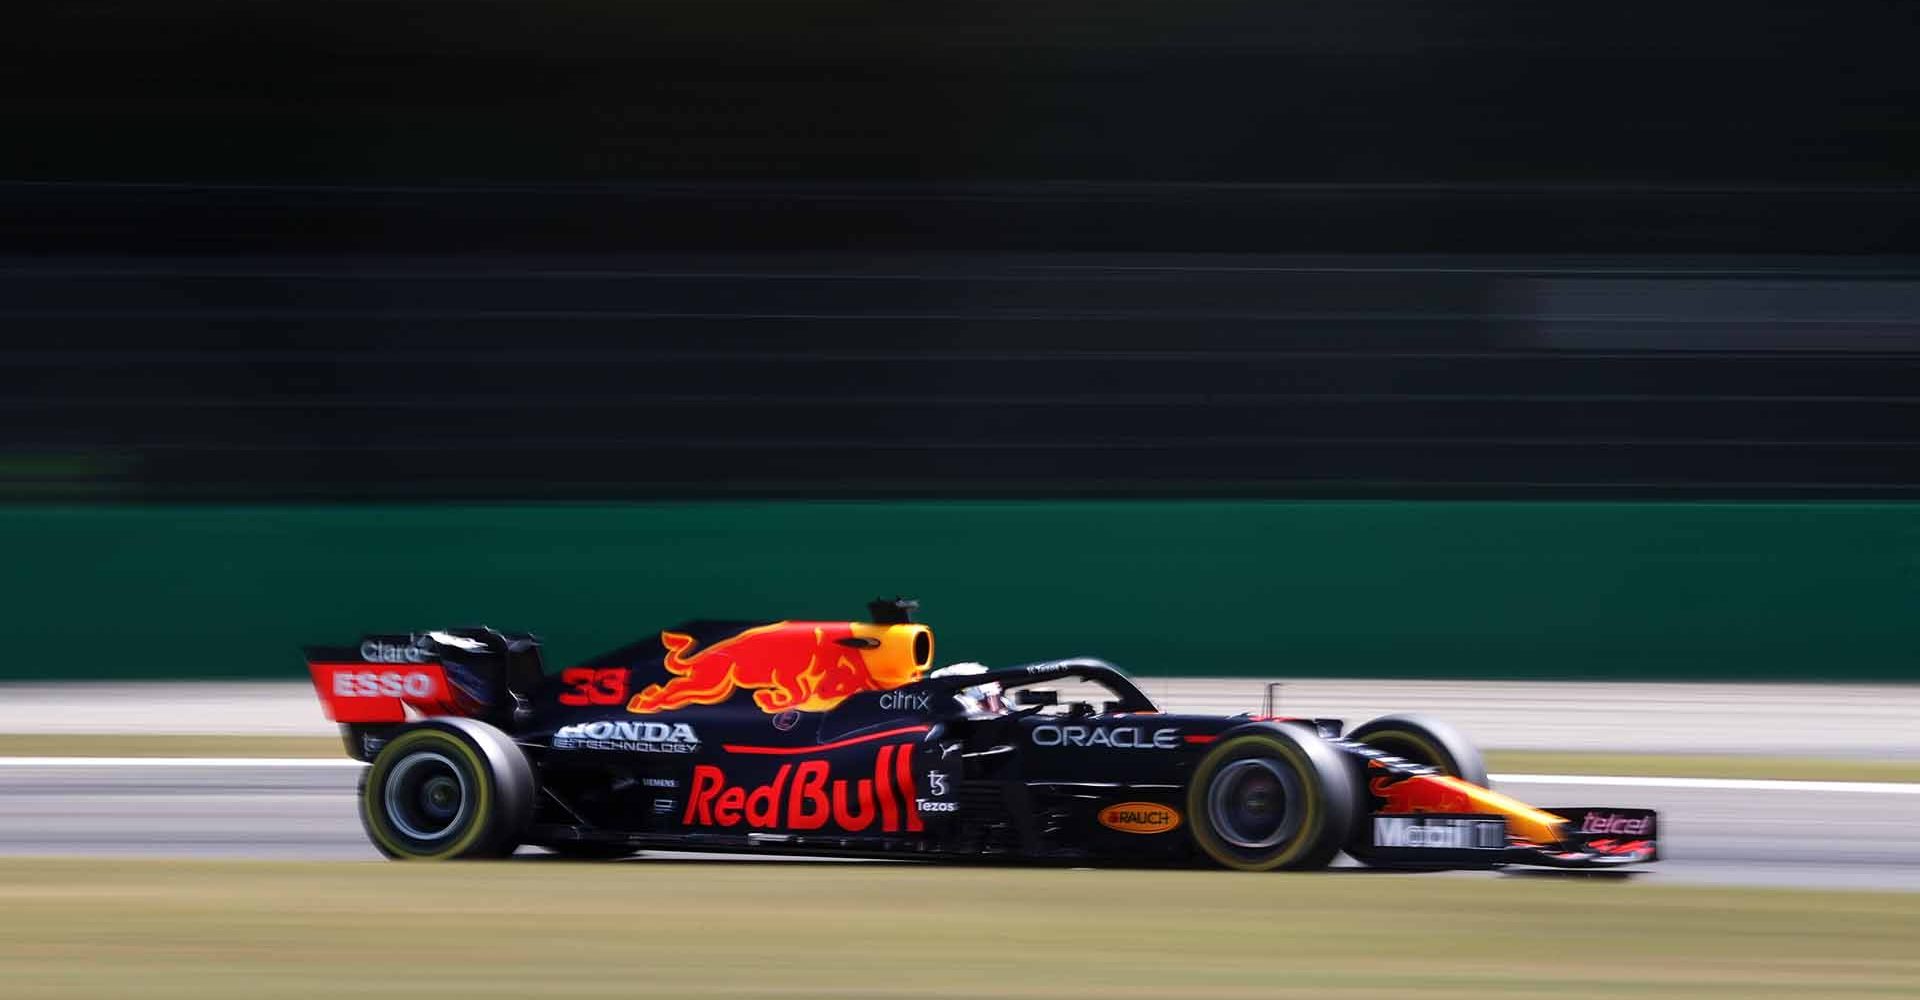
1251,803
427,797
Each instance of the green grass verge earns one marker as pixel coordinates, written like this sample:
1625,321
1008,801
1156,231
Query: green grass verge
216,930
1511,761
131,745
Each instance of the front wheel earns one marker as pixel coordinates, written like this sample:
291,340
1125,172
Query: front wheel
1419,739
446,789
1266,798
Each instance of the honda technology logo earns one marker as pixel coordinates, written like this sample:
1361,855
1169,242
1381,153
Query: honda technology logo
637,737
1120,737
806,796
1612,823
1457,833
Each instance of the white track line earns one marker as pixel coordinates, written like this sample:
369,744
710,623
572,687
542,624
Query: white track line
230,762
1628,781
1736,784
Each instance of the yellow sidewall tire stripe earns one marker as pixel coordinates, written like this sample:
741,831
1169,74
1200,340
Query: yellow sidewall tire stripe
1202,826
375,802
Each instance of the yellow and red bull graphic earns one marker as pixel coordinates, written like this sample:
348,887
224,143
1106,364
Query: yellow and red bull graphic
808,796
789,666
1439,793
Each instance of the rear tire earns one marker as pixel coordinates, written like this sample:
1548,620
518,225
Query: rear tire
1267,797
1419,739
446,789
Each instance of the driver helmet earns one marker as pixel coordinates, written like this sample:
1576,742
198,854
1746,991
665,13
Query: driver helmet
980,699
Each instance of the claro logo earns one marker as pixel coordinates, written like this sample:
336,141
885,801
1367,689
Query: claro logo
1140,817
378,651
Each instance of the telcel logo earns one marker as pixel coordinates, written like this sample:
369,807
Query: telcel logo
1119,737
1597,822
1140,817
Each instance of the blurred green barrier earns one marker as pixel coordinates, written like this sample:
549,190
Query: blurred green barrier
1773,591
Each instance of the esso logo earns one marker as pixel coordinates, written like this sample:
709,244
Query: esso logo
382,684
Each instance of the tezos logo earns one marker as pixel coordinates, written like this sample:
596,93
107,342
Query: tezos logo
937,787
382,684
902,701
1118,737
1140,817
635,737
380,651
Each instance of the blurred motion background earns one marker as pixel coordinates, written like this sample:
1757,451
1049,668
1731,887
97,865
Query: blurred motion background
1549,340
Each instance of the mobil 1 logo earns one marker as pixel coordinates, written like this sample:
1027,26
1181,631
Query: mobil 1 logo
1460,833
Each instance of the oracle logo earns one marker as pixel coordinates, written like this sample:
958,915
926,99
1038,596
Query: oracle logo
1120,737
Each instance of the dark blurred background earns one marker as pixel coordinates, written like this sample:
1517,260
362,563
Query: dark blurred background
458,251
471,248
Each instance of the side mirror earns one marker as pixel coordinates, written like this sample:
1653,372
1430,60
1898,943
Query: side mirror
1036,697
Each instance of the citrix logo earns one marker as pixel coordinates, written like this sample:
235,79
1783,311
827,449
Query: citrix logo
903,701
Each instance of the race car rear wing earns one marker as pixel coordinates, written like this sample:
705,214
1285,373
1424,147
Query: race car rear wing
475,672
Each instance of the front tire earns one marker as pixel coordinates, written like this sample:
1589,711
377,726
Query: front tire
1419,739
1266,798
447,789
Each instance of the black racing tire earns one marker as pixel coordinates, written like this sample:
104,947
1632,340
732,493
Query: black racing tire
1417,738
447,789
1267,797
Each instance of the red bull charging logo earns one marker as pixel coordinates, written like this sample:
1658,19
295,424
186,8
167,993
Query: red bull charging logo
789,666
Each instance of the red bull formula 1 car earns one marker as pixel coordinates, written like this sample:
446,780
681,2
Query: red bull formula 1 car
835,738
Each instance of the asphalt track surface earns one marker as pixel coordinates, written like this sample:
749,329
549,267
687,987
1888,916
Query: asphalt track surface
1798,834
1871,721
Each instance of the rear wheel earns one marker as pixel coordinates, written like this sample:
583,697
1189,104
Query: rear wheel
445,789
1269,798
1419,739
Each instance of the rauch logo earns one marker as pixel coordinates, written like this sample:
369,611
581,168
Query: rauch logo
1140,817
